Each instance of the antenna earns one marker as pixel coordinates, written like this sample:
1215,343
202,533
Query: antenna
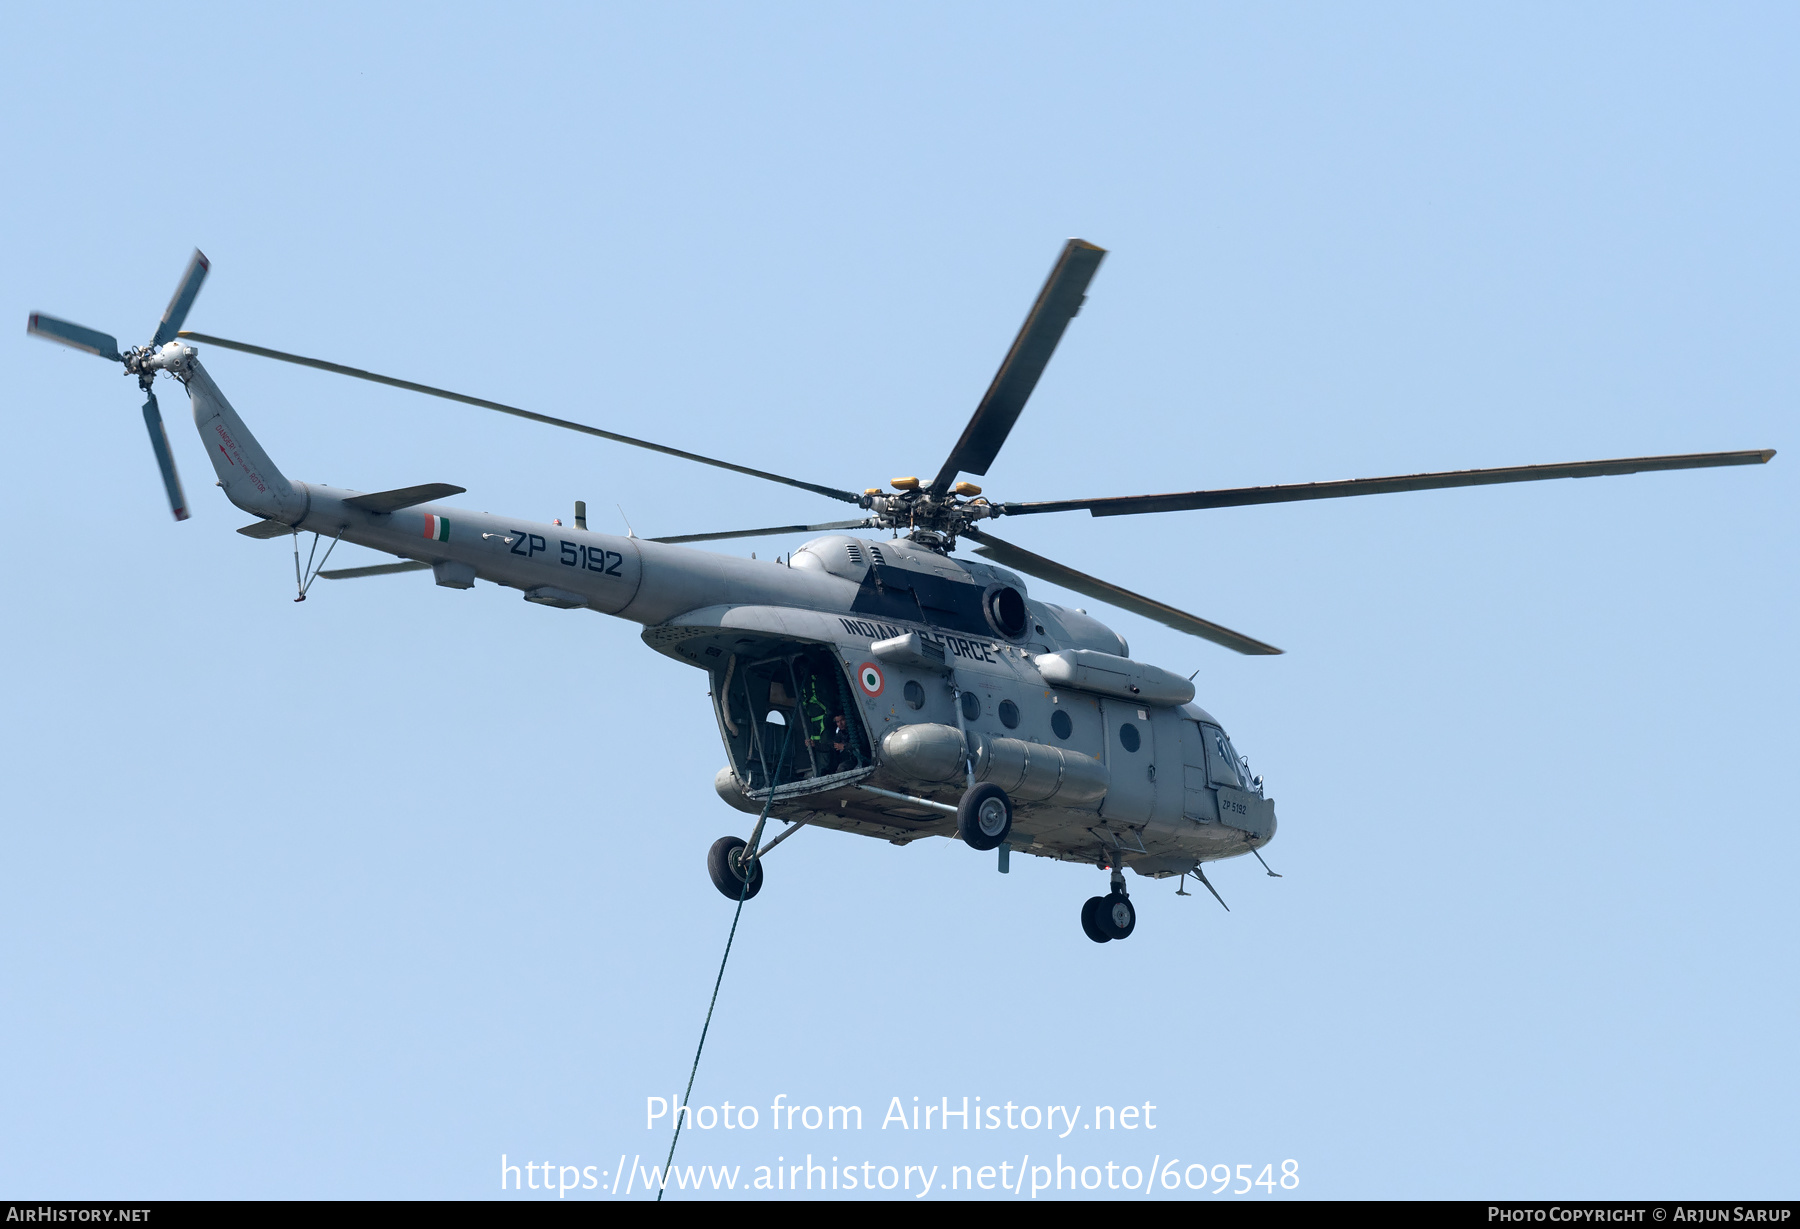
629,531
581,514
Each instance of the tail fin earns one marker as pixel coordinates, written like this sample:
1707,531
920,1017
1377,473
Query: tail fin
250,478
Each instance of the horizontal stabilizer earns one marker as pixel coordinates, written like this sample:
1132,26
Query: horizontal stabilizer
379,569
267,529
405,497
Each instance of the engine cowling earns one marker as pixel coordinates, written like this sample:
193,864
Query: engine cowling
1120,677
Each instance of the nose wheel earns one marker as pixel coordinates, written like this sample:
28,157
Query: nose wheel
1109,917
1105,918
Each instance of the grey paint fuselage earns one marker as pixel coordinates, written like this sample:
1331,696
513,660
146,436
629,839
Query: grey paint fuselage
645,582
694,604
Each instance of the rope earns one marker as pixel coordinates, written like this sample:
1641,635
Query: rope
743,895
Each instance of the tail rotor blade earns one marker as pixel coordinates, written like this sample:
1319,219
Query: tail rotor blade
183,300
88,340
159,443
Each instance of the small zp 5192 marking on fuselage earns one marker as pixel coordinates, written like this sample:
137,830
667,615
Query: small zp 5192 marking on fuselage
570,554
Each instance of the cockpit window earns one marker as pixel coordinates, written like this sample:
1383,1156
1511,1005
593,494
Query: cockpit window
1222,762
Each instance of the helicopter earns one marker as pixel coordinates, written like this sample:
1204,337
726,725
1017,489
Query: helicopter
884,687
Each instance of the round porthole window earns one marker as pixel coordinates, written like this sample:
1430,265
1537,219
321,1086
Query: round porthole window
971,706
1060,723
1128,737
915,694
1009,714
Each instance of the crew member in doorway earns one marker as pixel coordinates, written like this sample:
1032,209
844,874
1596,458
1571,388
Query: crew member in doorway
814,721
842,758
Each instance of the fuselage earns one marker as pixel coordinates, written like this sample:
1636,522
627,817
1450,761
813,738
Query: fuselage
863,684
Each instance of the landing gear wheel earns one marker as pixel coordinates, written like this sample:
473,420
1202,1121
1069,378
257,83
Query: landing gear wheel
1116,916
1090,919
727,875
984,816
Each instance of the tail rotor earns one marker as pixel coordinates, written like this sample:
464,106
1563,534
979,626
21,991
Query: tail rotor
164,353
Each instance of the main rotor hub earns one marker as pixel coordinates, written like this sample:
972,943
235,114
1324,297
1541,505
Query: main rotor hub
933,521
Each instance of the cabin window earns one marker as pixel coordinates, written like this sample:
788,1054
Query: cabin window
1222,759
1009,714
1060,724
971,706
1128,737
915,694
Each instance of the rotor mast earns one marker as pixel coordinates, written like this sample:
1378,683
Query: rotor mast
933,521
934,515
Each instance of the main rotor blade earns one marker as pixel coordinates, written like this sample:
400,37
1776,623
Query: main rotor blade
165,460
771,531
1057,303
183,300
1022,560
90,340
1126,505
829,492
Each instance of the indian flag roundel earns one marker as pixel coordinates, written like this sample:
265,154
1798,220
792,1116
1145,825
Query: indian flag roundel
437,528
870,678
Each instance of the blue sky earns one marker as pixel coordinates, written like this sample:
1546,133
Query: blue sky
349,898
